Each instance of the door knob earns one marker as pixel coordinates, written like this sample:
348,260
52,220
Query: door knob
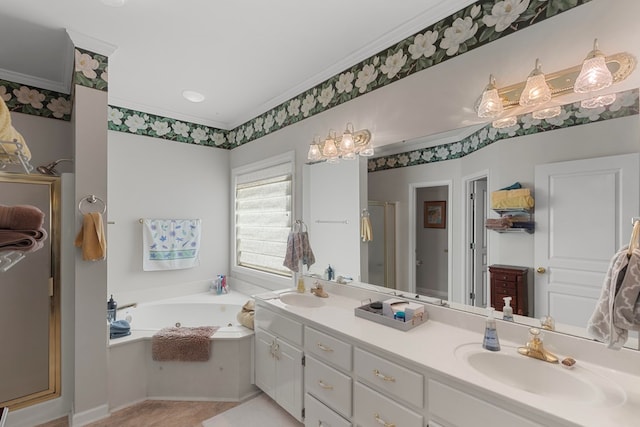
541,270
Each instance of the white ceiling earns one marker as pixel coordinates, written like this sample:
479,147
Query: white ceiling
245,56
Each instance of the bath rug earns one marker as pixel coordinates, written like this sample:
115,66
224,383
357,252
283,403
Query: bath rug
182,344
259,411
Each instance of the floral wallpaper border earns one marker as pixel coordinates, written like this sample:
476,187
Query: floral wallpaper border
91,70
474,26
626,104
35,101
135,122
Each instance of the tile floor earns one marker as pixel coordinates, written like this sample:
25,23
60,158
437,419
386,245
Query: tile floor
158,413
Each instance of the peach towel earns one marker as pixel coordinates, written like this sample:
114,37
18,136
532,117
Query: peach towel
91,237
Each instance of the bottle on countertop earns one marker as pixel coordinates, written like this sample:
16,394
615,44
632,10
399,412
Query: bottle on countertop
507,311
112,305
330,272
301,288
491,341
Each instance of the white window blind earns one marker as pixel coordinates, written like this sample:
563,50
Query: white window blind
263,218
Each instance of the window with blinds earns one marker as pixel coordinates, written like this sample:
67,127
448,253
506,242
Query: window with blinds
263,218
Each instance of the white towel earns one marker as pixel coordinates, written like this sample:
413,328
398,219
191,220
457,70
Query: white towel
170,244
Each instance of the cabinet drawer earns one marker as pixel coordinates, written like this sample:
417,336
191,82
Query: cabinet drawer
508,286
371,409
282,326
390,377
327,348
328,385
445,404
318,415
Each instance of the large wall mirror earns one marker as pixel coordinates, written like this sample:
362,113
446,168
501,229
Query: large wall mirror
29,291
595,165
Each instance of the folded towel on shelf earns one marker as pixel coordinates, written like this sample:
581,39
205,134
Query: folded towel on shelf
91,237
13,240
21,217
185,344
247,314
119,329
512,199
498,223
170,244
9,134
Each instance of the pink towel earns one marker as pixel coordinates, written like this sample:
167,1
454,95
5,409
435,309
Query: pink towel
183,344
13,240
21,217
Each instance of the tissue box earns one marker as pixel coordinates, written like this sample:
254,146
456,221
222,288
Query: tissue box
391,306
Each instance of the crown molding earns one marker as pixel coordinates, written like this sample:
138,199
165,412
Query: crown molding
37,82
91,44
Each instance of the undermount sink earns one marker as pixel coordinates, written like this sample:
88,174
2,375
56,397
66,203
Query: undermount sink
507,366
301,300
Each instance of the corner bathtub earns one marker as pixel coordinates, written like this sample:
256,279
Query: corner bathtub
227,376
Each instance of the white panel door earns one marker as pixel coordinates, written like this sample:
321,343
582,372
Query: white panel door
583,216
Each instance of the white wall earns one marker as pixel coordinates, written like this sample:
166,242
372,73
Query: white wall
432,246
154,178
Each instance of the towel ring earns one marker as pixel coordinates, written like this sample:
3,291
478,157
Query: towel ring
91,200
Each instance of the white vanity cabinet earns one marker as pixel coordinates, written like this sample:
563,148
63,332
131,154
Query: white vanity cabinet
279,359
328,380
445,403
386,393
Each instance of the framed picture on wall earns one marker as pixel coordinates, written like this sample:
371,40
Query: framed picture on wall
435,214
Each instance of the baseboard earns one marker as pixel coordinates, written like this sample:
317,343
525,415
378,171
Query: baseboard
92,415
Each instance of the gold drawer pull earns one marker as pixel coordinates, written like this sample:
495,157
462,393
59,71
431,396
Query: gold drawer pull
383,422
324,348
384,377
325,386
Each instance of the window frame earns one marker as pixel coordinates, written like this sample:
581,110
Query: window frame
258,277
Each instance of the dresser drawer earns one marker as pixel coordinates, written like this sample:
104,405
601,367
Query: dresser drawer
371,409
327,348
390,377
507,286
316,414
282,326
329,385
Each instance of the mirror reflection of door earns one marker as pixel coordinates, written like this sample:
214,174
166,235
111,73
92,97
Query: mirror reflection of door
382,249
476,244
583,216
432,250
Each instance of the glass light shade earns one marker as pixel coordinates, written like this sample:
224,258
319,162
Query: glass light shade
595,74
367,150
598,101
535,92
346,143
505,123
314,154
547,113
329,150
490,105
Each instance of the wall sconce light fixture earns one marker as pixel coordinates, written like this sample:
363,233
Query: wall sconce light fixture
597,72
345,146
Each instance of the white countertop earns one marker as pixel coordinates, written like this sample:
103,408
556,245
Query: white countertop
432,346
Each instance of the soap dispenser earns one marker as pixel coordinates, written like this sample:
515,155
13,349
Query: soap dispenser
112,305
507,311
491,341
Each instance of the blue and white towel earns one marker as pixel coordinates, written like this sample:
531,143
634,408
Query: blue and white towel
170,244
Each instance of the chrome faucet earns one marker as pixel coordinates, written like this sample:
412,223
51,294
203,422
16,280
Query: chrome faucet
535,349
318,291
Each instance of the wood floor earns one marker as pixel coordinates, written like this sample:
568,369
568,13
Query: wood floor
158,413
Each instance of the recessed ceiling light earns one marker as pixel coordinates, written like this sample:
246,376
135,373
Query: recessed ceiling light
193,96
114,3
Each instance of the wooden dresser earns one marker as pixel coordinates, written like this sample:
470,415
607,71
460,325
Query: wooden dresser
509,281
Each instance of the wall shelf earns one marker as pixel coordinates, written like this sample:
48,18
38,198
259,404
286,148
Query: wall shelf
524,215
